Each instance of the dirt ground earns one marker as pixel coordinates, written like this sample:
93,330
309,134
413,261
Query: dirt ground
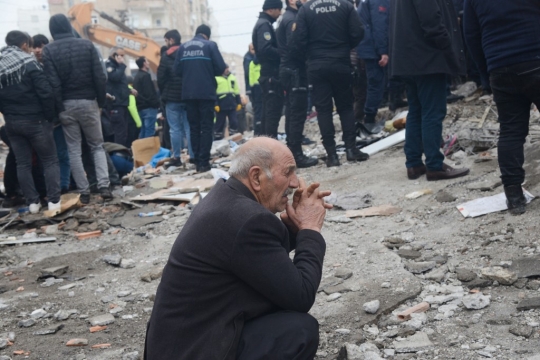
362,264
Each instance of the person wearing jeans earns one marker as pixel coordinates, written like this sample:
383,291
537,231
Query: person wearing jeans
178,127
76,75
27,103
502,37
63,158
147,98
431,28
82,116
198,63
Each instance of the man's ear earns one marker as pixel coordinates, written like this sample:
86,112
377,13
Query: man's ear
254,177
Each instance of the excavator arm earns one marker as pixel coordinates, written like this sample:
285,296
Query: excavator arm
135,43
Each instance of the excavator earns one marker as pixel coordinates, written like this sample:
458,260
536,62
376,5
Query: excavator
135,43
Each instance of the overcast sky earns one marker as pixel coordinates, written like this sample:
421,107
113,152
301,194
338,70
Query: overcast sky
236,21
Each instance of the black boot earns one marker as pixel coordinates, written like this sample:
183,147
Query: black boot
517,204
332,159
397,102
353,154
303,162
371,126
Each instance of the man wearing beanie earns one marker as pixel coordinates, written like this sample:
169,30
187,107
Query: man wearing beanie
198,63
266,50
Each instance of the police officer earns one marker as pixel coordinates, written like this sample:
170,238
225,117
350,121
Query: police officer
117,86
293,76
327,31
266,50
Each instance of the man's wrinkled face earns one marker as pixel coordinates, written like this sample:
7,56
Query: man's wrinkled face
275,191
38,52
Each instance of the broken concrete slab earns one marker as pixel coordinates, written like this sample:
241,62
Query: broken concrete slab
420,267
476,301
50,331
526,267
409,254
522,330
56,271
418,342
465,275
383,210
113,259
343,273
101,320
529,304
502,275
341,288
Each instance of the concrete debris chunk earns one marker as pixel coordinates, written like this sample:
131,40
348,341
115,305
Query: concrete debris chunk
38,314
529,304
501,275
522,330
343,273
465,275
113,259
101,320
372,307
127,264
526,267
27,323
418,342
50,331
420,267
476,301
54,271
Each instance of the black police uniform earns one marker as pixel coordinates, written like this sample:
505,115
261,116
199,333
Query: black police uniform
265,43
327,31
293,76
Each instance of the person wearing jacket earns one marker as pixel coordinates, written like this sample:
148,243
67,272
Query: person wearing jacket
117,86
27,103
198,62
230,291
256,95
170,86
39,42
248,58
503,38
328,33
228,104
426,41
293,77
147,98
266,48
374,51
74,70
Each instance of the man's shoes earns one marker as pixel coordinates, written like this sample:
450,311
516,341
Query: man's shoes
106,193
55,206
446,173
332,160
64,191
35,208
204,168
174,162
398,104
354,154
85,199
516,201
416,172
450,99
303,162
307,141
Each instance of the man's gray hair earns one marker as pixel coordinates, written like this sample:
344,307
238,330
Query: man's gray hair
249,156
115,49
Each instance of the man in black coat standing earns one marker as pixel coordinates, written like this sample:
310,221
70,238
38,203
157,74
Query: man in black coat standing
229,290
75,72
327,32
426,44
117,86
266,50
293,77
147,99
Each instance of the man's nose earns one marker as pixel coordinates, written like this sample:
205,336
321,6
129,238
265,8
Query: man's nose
295,182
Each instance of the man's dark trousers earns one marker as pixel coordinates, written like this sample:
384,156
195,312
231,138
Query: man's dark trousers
273,104
427,110
330,84
120,123
200,115
221,123
258,109
360,90
376,79
24,136
515,88
281,335
296,101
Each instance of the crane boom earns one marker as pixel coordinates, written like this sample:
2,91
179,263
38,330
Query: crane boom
135,43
